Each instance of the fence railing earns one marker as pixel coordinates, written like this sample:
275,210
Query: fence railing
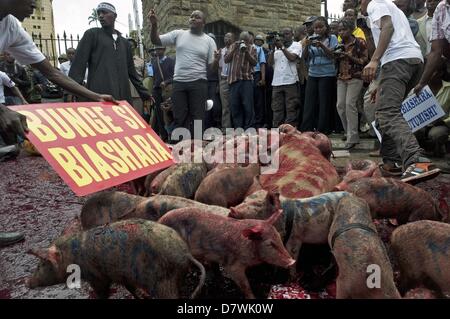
53,46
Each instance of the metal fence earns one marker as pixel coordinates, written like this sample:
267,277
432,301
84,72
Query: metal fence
53,46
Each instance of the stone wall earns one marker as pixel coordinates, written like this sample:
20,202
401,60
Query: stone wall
253,15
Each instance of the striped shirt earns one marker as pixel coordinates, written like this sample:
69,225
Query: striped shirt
240,67
440,28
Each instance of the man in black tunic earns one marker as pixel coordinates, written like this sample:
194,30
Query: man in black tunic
109,59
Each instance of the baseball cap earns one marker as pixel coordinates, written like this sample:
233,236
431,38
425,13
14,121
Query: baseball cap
310,19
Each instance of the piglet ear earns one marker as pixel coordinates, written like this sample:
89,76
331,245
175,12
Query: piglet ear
51,254
274,199
254,233
233,213
272,219
38,252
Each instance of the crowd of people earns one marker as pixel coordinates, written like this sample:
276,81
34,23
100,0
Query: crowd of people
328,77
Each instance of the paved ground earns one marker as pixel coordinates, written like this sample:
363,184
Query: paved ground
35,201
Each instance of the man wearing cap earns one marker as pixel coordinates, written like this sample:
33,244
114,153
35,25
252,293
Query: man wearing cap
14,39
109,58
309,25
195,53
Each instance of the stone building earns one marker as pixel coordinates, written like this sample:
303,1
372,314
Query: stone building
41,23
224,16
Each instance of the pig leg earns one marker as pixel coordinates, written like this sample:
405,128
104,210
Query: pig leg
101,287
134,291
237,274
167,289
293,247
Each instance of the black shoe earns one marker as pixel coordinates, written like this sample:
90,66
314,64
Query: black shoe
349,146
7,239
9,152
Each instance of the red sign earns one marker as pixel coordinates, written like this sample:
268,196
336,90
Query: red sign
94,146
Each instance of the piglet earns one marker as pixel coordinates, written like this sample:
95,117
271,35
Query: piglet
234,244
138,254
359,252
390,198
227,187
106,207
422,251
184,180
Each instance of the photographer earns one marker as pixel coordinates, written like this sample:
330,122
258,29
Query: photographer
352,56
321,78
285,100
242,59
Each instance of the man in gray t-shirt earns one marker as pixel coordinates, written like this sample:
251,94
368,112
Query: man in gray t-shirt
195,52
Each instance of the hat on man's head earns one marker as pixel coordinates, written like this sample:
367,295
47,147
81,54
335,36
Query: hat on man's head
107,7
259,37
310,19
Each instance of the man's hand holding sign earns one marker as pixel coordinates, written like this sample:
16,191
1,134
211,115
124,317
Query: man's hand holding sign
94,146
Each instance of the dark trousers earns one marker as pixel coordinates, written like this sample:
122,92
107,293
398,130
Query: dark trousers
259,96
159,123
285,104
319,96
301,95
189,99
241,104
397,78
214,116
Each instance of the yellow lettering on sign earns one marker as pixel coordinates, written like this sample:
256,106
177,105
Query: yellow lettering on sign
62,128
84,163
76,121
102,166
121,111
125,154
148,148
106,150
92,118
108,120
161,150
141,155
42,132
138,119
78,174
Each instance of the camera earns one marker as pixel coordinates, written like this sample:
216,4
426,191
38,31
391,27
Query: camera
314,38
272,37
242,46
339,49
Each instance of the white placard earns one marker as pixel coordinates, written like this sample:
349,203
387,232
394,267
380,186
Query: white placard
421,110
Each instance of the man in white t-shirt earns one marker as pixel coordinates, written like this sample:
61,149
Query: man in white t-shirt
285,99
401,63
15,40
6,81
195,52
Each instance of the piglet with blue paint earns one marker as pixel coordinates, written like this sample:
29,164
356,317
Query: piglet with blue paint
148,259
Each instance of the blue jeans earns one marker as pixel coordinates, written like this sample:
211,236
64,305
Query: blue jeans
241,104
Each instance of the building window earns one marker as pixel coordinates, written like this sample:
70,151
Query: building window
39,27
43,18
32,17
34,27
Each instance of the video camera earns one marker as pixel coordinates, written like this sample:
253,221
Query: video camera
273,36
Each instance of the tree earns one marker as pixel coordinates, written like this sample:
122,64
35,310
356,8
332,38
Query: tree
93,17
